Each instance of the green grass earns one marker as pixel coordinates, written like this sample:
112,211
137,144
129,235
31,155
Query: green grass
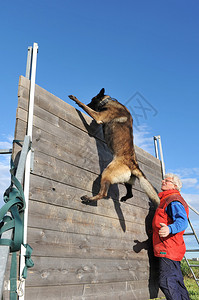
189,281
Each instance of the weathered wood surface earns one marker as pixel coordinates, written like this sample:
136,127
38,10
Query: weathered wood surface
98,291
92,252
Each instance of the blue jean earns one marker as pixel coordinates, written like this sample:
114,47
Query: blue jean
171,280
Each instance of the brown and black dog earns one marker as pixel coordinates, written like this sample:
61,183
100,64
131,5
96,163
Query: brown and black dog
117,125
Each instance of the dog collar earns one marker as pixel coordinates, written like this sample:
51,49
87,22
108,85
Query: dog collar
103,102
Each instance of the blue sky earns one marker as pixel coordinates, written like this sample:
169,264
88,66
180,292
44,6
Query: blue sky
142,52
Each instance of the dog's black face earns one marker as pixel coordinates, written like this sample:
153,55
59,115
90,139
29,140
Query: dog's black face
95,102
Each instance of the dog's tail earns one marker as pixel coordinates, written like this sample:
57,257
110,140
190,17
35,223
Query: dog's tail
150,191
147,187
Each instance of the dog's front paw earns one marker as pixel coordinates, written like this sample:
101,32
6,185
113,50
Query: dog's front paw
73,98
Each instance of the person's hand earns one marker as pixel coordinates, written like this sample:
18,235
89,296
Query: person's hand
164,230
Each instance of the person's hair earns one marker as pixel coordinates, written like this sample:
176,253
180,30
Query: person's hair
176,180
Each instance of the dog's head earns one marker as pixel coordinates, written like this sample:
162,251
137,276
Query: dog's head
96,102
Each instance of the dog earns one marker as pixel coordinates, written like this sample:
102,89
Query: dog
117,125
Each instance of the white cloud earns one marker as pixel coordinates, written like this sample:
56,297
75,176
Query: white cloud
189,177
187,172
7,143
143,139
189,182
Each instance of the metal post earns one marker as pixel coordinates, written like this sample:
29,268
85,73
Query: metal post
32,89
156,147
28,160
161,156
29,62
158,139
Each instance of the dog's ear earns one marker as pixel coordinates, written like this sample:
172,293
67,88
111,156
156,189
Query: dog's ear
101,93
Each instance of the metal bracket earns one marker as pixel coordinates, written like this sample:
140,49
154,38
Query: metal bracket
6,151
32,160
22,159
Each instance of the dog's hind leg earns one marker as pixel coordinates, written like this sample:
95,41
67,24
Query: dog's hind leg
102,193
129,193
146,186
128,185
115,172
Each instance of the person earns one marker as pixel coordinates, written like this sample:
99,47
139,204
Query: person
169,223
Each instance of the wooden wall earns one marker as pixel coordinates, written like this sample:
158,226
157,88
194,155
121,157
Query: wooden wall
92,252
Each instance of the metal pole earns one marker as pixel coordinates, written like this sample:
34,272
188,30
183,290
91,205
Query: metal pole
29,61
193,231
191,207
158,138
156,147
161,156
32,90
28,160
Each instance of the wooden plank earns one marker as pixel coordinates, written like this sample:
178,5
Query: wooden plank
23,83
49,167
147,156
56,193
46,216
54,243
60,171
107,291
62,271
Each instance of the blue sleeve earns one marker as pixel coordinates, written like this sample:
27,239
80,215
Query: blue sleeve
177,213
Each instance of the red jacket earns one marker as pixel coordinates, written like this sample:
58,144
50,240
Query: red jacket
172,246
